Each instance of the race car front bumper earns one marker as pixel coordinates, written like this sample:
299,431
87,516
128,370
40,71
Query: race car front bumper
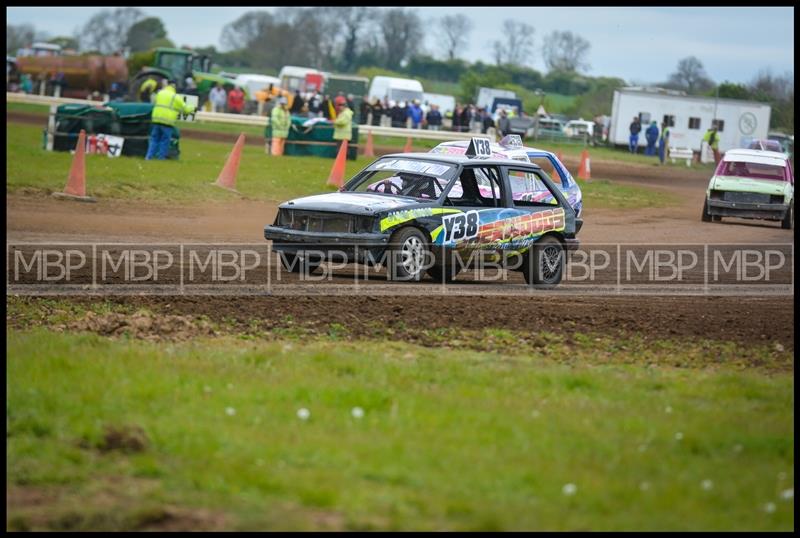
722,208
354,246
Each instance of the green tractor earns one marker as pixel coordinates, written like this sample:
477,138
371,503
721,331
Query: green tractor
178,64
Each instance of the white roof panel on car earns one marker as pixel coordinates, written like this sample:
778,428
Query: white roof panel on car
772,158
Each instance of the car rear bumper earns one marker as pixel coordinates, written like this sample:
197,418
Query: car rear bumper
721,208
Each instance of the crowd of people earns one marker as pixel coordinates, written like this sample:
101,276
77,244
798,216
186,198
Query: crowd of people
415,114
652,136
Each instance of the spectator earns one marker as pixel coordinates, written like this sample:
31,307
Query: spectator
476,120
343,124
218,98
466,118
168,106
434,118
364,111
635,129
314,105
26,83
397,114
598,129
426,107
116,91
663,142
414,112
147,89
351,104
488,122
297,103
503,123
712,139
235,100
651,135
280,122
457,118
60,81
377,112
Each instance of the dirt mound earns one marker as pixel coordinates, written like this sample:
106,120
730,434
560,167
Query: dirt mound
142,324
123,438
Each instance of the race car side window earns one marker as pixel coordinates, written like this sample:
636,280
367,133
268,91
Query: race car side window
547,164
529,190
476,187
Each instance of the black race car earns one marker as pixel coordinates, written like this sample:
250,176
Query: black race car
422,212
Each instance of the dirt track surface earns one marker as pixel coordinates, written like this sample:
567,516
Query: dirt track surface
754,321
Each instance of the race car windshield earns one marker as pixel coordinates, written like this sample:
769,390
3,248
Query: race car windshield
405,177
753,170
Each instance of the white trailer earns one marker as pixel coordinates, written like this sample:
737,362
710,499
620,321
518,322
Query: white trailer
689,117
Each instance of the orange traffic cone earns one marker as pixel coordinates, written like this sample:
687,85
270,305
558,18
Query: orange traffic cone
585,169
369,151
76,182
407,149
227,178
337,172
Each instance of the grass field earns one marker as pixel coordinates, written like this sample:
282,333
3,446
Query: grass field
189,179
108,432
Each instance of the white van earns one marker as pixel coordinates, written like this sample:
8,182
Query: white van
294,78
446,103
256,83
252,84
395,89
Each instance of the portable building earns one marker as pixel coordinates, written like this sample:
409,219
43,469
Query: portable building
688,116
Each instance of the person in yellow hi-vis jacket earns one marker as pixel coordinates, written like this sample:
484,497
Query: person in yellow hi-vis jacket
280,122
343,124
167,107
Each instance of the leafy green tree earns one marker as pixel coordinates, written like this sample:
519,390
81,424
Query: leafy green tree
142,34
731,90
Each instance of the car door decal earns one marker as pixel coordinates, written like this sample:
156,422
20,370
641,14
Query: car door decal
501,228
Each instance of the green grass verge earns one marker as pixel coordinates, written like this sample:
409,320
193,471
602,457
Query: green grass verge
603,193
31,169
260,176
450,439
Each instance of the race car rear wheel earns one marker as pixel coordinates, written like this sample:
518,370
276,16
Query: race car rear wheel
706,217
297,264
544,263
408,253
788,220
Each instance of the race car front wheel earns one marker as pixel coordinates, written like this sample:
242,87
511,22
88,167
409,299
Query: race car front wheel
788,219
408,255
544,263
706,217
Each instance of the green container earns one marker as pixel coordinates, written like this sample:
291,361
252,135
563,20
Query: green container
303,141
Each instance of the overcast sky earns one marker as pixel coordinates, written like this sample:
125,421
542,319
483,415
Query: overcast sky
636,44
